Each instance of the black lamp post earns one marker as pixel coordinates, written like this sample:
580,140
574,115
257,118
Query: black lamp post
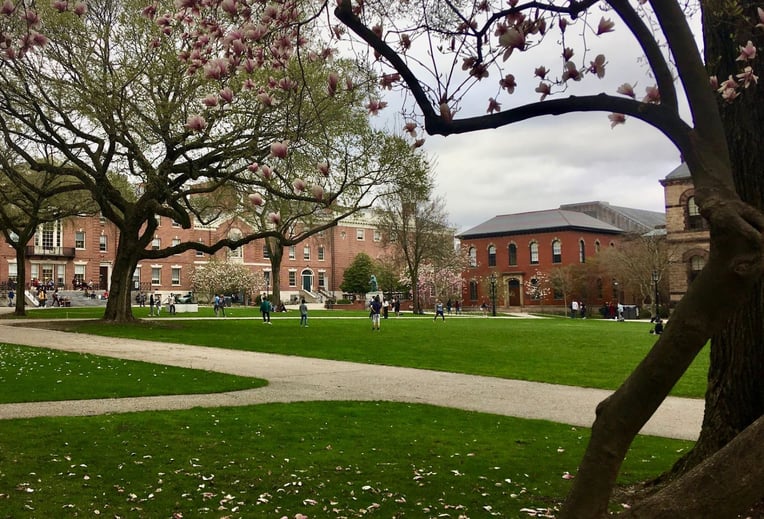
493,295
655,285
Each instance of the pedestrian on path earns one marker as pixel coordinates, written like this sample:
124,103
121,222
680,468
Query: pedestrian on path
151,304
439,311
265,309
11,295
303,313
158,304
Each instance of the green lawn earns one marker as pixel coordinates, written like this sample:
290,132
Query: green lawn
330,459
38,374
592,353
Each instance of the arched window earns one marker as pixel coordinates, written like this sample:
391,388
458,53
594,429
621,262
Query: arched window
473,290
512,249
696,265
534,249
556,251
473,257
491,255
596,246
581,251
694,220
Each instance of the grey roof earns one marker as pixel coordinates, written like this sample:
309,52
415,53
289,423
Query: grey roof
681,171
538,221
650,219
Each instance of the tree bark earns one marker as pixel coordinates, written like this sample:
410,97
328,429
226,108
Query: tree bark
276,250
119,306
21,280
735,395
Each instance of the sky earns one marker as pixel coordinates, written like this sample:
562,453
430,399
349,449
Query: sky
545,162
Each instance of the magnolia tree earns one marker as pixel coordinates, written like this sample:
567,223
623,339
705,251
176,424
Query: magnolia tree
437,51
538,287
226,277
441,277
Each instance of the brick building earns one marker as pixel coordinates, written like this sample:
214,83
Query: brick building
81,250
509,249
686,231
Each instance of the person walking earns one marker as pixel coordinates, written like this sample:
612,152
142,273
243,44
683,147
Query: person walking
376,307
11,295
158,303
303,314
221,304
171,303
397,306
265,309
439,311
151,304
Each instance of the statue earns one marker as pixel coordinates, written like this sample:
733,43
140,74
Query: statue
373,283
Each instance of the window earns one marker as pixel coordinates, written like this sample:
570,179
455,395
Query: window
156,244
558,293
322,280
360,234
696,265
200,254
156,275
13,272
306,252
556,251
266,252
512,254
377,235
473,290
473,257
292,278
79,240
597,247
238,252
102,218
175,224
581,251
292,253
175,242
159,220
102,243
137,278
491,255
320,253
175,276
267,279
534,249
79,274
694,220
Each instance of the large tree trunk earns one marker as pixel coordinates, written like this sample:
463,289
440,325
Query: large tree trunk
119,305
735,395
21,280
277,255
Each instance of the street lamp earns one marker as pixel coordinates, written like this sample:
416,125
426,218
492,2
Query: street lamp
655,299
493,294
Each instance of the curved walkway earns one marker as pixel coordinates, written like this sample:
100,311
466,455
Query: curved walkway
293,379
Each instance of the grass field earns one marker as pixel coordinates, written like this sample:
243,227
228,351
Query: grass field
322,459
592,352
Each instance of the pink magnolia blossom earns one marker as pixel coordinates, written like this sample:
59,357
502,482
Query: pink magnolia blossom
265,99
323,168
616,119
229,6
544,89
375,105
493,105
760,12
256,199
274,217
417,143
445,112
317,191
253,167
563,23
729,94
216,68
299,185
410,128
405,42
196,123
388,80
8,7
266,172
279,149
729,83
571,72
747,53
508,83
748,77
653,95
80,8
333,80
567,53
512,39
605,25
59,5
210,100
541,72
627,90
598,66
714,81
226,95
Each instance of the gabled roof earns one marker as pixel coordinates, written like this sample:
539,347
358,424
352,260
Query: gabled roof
538,221
649,219
681,171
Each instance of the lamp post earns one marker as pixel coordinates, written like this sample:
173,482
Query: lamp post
655,299
493,294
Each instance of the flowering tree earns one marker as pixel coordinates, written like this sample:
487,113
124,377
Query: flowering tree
441,277
225,277
471,43
538,287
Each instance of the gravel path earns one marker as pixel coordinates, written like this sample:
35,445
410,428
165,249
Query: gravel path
293,379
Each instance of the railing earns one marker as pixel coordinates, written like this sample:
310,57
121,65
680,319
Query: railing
61,252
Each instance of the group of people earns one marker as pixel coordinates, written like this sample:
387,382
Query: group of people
380,309
155,302
612,310
577,309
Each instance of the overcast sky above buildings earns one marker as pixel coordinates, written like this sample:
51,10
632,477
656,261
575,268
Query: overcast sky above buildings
542,163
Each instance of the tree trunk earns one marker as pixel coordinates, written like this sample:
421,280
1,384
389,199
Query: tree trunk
21,280
277,255
735,395
119,305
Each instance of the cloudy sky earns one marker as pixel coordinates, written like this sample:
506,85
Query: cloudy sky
545,162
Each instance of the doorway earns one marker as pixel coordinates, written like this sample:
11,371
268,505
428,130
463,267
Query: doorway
514,292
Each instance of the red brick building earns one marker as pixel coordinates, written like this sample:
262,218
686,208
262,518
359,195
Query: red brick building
508,250
82,250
